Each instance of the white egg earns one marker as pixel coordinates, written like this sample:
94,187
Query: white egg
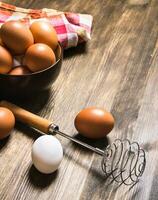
47,154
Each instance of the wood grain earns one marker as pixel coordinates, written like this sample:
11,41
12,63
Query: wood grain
117,70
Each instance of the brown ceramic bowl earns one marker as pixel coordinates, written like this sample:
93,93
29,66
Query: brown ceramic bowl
19,86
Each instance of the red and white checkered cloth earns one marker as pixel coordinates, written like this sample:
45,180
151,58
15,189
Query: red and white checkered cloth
71,28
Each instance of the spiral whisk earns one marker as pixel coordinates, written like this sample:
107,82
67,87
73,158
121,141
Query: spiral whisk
124,161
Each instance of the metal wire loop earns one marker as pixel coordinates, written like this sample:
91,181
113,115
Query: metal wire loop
124,161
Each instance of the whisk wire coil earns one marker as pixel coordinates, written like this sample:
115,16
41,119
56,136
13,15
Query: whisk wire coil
124,161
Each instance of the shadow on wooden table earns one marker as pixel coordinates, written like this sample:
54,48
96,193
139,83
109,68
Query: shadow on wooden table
74,51
33,102
4,142
40,180
100,143
27,130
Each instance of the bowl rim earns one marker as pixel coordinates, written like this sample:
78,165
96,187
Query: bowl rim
38,72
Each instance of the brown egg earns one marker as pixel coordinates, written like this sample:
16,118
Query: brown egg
7,122
94,122
19,70
43,32
39,57
6,61
16,36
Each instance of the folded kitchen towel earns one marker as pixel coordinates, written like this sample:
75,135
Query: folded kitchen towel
71,28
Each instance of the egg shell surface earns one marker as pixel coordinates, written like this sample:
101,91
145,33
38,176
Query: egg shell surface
47,154
19,70
39,57
94,122
16,36
7,122
6,60
43,32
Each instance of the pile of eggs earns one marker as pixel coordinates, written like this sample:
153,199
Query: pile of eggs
31,47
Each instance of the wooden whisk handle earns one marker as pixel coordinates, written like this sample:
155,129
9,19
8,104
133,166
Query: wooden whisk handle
27,117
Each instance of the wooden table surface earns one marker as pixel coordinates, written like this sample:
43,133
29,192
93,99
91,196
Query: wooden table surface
116,70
